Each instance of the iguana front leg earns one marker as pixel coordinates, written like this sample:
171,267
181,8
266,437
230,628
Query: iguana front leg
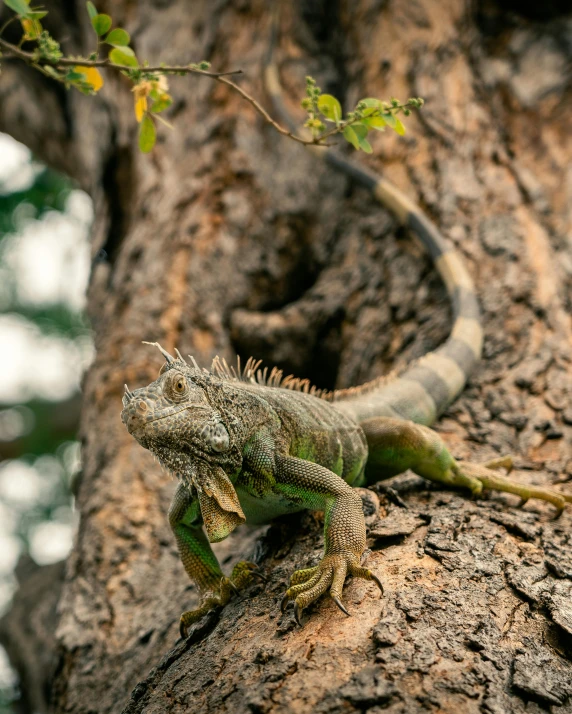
317,488
396,445
199,560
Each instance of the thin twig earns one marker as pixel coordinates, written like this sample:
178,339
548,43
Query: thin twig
70,62
260,109
30,58
8,22
26,56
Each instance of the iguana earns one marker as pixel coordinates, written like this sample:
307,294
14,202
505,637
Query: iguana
248,446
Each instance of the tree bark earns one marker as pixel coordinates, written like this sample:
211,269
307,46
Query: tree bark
230,239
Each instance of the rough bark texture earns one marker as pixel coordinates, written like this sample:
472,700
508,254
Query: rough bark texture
231,239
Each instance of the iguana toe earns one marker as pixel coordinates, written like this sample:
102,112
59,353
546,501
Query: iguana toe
366,574
502,462
489,479
301,576
209,601
243,572
240,577
330,575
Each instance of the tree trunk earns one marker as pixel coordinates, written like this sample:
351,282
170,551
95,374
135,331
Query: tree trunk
230,239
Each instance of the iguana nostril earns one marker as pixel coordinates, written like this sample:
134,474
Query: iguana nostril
134,415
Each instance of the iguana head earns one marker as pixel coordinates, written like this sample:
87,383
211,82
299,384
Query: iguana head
177,418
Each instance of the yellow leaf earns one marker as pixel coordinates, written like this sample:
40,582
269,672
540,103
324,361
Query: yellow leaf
32,28
92,76
140,107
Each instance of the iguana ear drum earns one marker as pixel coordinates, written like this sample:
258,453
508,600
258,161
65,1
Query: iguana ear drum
216,437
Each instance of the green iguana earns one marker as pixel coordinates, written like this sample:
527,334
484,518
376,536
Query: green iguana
248,446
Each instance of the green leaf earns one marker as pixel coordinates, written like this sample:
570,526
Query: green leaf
37,15
364,145
73,76
356,135
101,23
399,128
394,123
373,106
361,133
372,103
159,105
19,6
377,123
122,57
330,107
351,136
91,10
147,135
118,37
390,120
127,51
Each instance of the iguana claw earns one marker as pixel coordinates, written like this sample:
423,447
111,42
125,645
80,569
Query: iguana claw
330,574
240,577
340,604
297,614
377,581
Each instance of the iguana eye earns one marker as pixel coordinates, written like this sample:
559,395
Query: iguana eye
179,384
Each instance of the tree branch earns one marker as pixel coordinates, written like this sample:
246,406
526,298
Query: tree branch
221,77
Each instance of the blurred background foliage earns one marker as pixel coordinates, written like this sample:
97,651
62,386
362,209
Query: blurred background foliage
46,346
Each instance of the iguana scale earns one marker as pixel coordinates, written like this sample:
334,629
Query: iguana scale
248,446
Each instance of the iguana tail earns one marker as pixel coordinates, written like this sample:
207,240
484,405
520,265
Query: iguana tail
426,387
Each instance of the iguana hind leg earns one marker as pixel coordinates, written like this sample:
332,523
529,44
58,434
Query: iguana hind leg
199,560
396,445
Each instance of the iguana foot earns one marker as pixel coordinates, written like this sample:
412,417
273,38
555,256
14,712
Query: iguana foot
309,584
483,476
241,576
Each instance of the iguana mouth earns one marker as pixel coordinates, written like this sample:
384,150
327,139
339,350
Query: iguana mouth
164,416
